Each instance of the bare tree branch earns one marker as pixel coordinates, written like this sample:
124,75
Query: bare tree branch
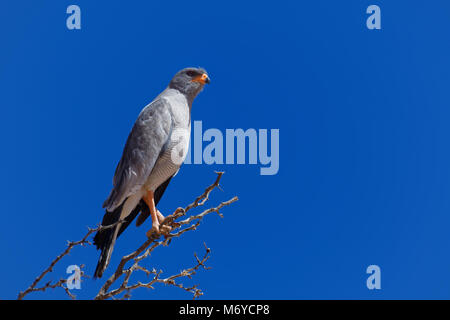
178,228
154,241
157,279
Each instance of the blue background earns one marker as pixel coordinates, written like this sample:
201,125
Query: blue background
364,155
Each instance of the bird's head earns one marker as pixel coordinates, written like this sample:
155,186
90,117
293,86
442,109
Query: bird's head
190,81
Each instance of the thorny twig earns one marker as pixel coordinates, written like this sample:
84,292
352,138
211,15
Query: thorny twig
144,251
157,279
154,241
60,284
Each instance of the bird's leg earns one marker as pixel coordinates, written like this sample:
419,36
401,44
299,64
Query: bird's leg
165,229
157,217
150,201
160,216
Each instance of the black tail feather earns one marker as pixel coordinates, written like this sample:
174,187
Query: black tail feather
106,238
107,246
108,219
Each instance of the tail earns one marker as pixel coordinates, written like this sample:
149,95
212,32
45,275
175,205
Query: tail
105,255
105,240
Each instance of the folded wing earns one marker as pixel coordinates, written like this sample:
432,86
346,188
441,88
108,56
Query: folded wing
145,143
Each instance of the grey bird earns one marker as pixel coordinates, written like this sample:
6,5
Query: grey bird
153,154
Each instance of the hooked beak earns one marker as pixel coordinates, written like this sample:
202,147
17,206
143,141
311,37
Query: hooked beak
202,79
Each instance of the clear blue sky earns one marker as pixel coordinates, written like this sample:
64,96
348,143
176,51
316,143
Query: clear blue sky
364,141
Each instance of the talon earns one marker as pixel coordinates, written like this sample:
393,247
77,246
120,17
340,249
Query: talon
165,230
178,210
176,224
154,229
160,216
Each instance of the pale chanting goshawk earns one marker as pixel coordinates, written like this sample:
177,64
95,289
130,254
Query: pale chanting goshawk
153,154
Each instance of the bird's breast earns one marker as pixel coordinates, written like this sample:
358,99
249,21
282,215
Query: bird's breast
171,158
168,162
176,148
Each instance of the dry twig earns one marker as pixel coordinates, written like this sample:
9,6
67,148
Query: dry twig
154,241
144,251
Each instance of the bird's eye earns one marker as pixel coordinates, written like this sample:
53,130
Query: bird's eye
191,73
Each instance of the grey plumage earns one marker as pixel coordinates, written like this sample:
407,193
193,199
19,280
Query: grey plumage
147,139
153,154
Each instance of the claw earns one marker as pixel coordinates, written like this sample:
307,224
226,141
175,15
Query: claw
165,230
160,216
175,225
178,210
154,229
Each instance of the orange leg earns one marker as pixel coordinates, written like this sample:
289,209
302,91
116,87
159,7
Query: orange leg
157,217
150,201
160,216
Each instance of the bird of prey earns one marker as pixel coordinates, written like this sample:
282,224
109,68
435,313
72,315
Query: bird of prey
154,151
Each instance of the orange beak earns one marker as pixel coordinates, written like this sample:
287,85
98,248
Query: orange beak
202,79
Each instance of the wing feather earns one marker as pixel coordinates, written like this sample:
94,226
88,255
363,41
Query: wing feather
144,144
